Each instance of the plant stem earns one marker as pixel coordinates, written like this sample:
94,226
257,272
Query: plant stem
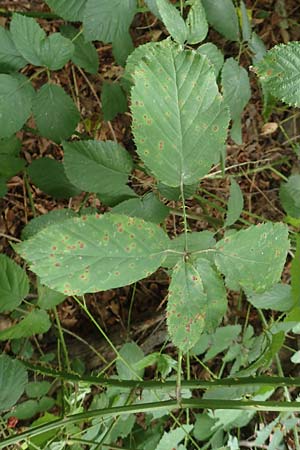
62,340
168,385
245,405
28,189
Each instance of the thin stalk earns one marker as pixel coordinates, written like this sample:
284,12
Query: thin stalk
28,189
62,340
178,380
262,380
130,307
181,6
111,344
245,405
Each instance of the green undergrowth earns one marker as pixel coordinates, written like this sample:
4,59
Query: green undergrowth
230,315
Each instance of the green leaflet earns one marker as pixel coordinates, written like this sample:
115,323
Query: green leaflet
197,302
253,259
49,176
36,322
214,55
278,298
13,379
95,252
279,71
237,93
108,21
14,284
107,163
195,28
173,20
113,100
179,120
148,207
68,9
289,195
55,113
38,49
235,204
222,16
196,22
10,59
14,90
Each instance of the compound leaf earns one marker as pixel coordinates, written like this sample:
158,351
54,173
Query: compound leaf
15,103
108,21
14,284
49,176
13,379
196,303
95,252
279,71
179,121
71,10
55,113
237,93
85,54
36,322
196,22
10,58
289,195
253,259
222,16
107,164
173,20
235,204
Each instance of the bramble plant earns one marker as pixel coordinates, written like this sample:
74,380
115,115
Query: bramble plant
182,98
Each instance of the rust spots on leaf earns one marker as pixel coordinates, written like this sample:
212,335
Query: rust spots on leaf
215,128
117,273
57,264
161,145
84,218
54,247
120,228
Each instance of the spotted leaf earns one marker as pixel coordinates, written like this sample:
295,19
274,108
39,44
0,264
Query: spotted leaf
95,252
253,259
197,302
279,71
179,119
